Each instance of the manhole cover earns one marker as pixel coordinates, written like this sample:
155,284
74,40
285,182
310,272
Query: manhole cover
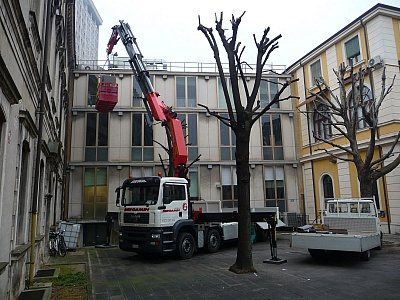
32,295
45,273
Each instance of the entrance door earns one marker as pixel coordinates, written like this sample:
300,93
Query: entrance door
94,234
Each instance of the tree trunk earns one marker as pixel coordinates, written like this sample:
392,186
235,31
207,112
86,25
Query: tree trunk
244,257
366,184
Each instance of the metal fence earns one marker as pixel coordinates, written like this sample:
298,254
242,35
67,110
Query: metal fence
122,63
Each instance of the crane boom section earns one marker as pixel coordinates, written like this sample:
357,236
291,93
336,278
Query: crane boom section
158,109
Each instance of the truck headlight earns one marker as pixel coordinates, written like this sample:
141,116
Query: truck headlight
155,236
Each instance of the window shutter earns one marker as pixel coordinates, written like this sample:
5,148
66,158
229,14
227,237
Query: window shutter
352,47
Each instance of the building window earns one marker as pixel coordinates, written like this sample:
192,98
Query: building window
221,95
22,206
142,138
190,132
137,93
327,185
275,188
186,92
322,127
95,199
142,171
194,182
268,90
92,90
228,141
229,187
353,53
96,137
316,73
272,137
358,101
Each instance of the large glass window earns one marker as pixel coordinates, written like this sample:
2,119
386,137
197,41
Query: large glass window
186,91
142,138
322,127
142,171
221,95
359,100
96,137
315,71
92,90
194,182
190,132
268,90
95,199
353,50
272,137
275,187
229,187
228,141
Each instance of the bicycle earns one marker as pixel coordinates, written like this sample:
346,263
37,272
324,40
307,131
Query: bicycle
57,243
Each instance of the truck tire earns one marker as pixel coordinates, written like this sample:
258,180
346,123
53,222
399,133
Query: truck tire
366,255
185,245
213,241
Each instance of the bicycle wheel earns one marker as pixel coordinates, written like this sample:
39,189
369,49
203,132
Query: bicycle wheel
52,248
62,247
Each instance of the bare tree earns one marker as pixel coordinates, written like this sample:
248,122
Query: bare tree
241,119
348,112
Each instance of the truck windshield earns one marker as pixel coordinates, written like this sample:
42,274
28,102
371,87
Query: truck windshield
140,195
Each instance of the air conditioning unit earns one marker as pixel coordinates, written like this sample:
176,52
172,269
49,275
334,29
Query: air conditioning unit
375,62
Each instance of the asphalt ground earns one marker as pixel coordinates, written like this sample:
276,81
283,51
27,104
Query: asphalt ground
115,274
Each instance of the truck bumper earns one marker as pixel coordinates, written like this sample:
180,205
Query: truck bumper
145,240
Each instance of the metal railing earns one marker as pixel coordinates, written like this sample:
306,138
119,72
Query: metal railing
122,63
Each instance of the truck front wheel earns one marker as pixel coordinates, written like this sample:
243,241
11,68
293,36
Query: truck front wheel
185,245
213,240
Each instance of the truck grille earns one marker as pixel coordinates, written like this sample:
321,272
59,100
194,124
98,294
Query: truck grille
138,218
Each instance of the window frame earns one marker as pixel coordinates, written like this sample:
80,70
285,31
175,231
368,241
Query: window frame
97,145
276,151
229,188
143,146
230,145
188,101
359,57
96,186
275,186
313,76
326,129
361,123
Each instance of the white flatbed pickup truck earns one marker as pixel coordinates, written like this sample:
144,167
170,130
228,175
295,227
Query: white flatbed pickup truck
347,225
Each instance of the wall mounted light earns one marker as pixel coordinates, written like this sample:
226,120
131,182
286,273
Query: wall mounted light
294,165
207,114
206,77
72,168
252,166
119,167
209,167
74,113
121,75
291,115
120,113
165,76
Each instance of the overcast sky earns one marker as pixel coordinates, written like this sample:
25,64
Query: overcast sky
167,29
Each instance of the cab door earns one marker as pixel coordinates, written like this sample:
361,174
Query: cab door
175,204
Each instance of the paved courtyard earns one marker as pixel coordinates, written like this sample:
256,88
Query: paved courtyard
115,274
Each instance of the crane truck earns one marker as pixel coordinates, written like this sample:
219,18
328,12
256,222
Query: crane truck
156,214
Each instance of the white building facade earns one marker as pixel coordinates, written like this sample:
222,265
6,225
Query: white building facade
107,148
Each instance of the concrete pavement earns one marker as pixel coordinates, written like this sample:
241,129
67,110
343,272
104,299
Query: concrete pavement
118,275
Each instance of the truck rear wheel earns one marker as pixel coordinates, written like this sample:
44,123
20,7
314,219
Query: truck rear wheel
185,245
213,241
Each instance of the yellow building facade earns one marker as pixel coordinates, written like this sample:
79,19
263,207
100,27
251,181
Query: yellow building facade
371,42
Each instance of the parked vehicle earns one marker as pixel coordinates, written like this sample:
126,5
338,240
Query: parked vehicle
347,225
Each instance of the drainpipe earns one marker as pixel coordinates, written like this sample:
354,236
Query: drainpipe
371,78
39,143
310,146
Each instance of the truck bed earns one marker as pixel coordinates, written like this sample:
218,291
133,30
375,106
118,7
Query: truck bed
356,241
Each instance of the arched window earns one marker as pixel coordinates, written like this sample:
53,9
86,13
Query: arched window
322,127
362,98
327,188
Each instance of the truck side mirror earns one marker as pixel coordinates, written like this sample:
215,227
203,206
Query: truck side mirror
118,192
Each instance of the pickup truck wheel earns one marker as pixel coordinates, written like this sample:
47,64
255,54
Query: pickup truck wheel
366,255
185,245
213,241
